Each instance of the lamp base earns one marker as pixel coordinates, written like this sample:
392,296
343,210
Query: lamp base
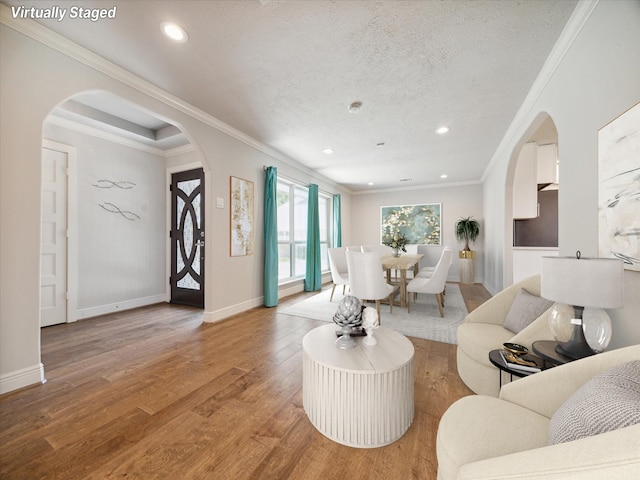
577,346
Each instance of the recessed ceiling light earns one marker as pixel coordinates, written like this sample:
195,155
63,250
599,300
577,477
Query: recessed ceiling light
355,107
370,183
442,130
174,32
444,175
327,151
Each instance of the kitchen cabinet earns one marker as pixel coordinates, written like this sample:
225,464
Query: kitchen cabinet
525,185
547,163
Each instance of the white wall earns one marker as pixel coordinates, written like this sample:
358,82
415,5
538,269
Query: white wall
596,79
120,262
457,202
34,79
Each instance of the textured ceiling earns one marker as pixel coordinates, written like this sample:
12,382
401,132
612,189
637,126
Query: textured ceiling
284,72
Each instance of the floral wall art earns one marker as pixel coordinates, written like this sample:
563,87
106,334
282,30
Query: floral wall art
420,224
242,226
619,189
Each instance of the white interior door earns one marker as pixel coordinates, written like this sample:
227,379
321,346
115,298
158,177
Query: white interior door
53,264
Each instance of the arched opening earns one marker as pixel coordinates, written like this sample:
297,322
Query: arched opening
532,201
106,210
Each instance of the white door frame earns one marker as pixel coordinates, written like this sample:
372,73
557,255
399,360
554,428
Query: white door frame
72,225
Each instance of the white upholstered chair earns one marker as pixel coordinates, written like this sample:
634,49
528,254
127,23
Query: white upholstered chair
339,269
365,279
426,272
434,284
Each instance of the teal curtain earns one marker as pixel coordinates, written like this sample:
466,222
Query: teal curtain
313,277
337,222
270,238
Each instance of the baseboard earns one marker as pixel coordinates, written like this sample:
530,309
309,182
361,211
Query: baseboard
226,312
284,291
22,378
114,307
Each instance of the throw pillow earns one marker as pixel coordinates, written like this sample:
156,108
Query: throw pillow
526,307
608,401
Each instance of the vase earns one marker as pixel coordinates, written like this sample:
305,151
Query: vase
396,252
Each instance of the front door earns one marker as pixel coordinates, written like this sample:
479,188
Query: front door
187,238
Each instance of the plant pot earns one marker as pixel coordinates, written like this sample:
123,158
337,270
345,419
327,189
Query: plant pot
467,264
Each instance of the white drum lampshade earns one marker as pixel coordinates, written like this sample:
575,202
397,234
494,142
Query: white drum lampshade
582,282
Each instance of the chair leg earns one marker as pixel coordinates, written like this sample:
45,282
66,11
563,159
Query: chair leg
440,301
409,302
343,289
378,308
332,290
391,302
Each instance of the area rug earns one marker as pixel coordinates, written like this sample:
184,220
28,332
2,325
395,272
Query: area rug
424,321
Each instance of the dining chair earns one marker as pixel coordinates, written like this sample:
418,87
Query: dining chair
434,284
339,269
366,283
354,248
426,272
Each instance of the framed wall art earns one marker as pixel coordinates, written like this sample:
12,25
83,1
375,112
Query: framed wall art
420,224
242,224
619,189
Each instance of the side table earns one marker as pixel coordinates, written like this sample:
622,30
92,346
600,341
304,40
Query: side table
496,359
546,349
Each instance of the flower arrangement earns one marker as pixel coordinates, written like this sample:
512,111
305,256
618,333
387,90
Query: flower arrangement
397,241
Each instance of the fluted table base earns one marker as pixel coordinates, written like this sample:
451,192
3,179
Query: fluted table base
362,397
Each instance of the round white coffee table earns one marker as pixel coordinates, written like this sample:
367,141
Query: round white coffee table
361,397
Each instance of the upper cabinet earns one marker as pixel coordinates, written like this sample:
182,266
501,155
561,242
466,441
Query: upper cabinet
537,164
525,185
547,163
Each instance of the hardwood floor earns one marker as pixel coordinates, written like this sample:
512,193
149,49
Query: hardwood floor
154,393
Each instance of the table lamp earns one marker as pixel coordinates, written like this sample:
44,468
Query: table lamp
581,282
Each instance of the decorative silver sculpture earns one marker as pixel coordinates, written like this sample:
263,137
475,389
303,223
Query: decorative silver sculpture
348,315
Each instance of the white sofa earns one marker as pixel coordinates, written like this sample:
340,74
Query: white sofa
483,331
483,437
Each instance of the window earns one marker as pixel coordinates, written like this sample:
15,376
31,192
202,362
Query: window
292,203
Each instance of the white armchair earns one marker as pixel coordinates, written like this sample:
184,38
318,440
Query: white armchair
483,330
509,437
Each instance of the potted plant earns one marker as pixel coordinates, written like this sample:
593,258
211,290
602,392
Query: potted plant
467,230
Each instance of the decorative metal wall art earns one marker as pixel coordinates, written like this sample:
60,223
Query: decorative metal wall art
110,207
122,184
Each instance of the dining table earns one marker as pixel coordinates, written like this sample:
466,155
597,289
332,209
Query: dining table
404,262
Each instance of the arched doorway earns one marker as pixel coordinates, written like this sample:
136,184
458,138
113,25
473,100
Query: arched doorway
532,206
106,164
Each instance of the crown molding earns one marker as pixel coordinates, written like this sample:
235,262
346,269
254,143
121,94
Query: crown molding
65,46
426,186
574,26
110,137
